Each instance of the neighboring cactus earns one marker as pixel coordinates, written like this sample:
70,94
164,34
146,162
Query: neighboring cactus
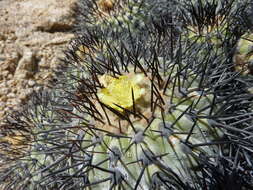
212,21
243,58
115,14
27,164
121,16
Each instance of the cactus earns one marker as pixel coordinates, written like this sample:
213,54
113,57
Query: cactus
134,113
31,156
142,109
243,56
121,15
215,22
162,132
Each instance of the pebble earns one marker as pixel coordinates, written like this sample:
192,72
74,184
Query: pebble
31,83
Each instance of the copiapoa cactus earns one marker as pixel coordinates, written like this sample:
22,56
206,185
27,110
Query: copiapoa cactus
135,114
31,145
137,120
122,15
129,105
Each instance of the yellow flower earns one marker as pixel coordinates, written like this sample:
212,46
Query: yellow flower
122,91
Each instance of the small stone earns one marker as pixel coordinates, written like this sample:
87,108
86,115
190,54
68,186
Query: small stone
3,98
29,91
15,102
2,104
21,75
27,62
22,96
3,84
10,76
4,91
31,83
7,109
11,95
43,63
37,88
2,37
14,90
11,83
2,113
5,74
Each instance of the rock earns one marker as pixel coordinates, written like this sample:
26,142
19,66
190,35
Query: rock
27,64
22,74
62,19
4,91
12,83
2,104
33,34
5,74
31,83
11,95
10,76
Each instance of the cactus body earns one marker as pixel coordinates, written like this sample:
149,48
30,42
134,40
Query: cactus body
135,111
243,57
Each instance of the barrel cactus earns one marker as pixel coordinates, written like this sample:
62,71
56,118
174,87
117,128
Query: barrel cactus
138,124
134,113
